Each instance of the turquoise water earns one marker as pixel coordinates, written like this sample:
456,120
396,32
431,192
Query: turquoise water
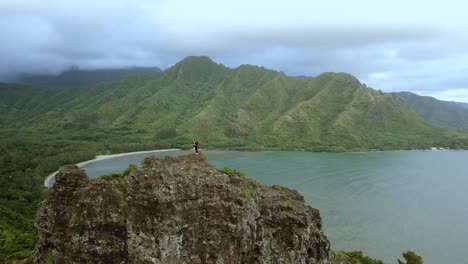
382,203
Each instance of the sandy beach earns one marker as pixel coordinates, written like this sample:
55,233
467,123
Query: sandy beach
103,157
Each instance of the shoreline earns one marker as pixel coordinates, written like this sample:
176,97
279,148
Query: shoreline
104,157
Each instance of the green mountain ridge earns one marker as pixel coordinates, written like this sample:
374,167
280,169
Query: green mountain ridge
437,112
247,106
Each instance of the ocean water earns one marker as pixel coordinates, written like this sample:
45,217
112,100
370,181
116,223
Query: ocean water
381,203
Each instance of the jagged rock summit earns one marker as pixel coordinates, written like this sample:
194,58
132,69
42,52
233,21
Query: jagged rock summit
176,210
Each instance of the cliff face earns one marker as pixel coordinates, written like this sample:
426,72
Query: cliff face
176,210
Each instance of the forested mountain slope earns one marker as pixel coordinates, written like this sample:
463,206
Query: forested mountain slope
438,112
247,106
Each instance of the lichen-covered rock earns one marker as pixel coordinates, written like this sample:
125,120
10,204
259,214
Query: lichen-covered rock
176,210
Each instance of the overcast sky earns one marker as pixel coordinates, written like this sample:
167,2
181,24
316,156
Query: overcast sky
418,46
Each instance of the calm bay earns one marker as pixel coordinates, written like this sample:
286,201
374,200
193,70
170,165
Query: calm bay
382,203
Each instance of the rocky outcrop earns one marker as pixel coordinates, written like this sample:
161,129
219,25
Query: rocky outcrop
176,210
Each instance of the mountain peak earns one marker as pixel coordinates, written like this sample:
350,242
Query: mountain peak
197,60
196,68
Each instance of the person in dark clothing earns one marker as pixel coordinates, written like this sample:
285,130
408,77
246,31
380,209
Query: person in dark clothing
195,146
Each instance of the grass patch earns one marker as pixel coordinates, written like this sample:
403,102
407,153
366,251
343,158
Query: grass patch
108,177
356,257
231,172
277,187
113,176
248,194
131,168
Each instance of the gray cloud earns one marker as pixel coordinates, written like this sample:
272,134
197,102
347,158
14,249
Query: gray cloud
424,52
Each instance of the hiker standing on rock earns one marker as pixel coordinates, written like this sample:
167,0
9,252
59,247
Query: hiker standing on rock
195,145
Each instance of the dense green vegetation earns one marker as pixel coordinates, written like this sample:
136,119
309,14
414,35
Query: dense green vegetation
411,258
75,77
248,107
437,112
352,257
231,172
357,257
131,168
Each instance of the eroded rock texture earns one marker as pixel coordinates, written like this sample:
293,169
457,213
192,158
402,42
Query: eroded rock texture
176,210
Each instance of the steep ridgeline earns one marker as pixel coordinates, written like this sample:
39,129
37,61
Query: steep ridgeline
437,112
246,107
176,210
81,78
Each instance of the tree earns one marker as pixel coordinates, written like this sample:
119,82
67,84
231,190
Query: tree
411,258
